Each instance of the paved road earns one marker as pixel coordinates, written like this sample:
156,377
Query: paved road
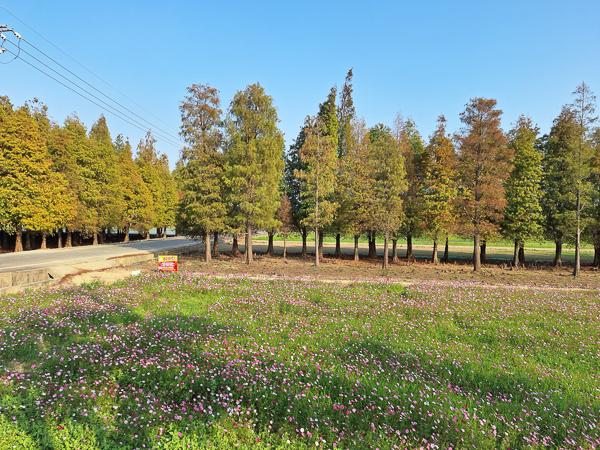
10,262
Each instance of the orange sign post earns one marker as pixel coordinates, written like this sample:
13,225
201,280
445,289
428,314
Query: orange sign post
167,263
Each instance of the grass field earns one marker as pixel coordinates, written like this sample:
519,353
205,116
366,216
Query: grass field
453,241
187,361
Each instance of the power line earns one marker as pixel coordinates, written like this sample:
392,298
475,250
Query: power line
117,114
89,93
102,93
105,82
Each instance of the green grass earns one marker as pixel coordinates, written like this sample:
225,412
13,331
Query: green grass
453,241
186,361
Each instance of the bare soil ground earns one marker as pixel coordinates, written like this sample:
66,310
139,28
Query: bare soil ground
295,265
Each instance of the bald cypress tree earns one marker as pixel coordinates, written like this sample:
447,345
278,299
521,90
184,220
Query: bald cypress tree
254,153
483,167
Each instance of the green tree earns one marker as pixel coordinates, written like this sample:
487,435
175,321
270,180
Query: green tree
409,139
203,205
147,161
102,168
136,208
355,182
483,167
32,195
580,161
439,187
319,155
523,214
254,155
389,183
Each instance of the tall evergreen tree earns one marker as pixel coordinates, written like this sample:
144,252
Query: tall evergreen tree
389,182
439,187
147,161
32,195
523,213
483,167
136,208
293,186
254,154
319,155
203,204
102,167
409,139
580,161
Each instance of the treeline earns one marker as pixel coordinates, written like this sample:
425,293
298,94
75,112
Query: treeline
339,177
343,178
56,179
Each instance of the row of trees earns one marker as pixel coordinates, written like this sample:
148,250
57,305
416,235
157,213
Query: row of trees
343,178
339,176
55,178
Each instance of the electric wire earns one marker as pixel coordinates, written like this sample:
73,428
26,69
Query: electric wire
117,114
166,139
102,93
105,82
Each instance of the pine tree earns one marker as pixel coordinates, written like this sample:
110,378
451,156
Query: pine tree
102,166
136,209
203,205
580,162
254,156
439,188
32,195
483,167
389,183
293,186
523,213
409,139
319,155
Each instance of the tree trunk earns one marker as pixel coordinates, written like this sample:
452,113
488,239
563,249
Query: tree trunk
522,255
69,239
409,248
304,235
95,242
164,232
270,246
446,252
356,237
43,246
19,239
483,247
516,255
321,236
558,254
577,265
434,256
317,235
249,256
126,233
59,241
215,249
284,247
147,237
596,256
4,240
101,237
394,250
338,246
476,254
207,257
373,245
27,240
235,249
385,250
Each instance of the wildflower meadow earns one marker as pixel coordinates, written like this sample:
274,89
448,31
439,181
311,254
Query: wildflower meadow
191,361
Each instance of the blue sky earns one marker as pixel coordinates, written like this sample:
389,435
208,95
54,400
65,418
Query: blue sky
420,58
